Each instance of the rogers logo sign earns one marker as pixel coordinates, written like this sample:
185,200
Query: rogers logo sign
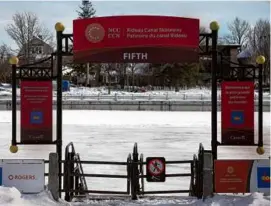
21,177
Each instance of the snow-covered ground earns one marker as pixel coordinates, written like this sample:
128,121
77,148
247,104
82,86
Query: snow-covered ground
102,93
12,197
110,135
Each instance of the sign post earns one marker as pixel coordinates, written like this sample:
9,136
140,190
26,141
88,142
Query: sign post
156,169
237,112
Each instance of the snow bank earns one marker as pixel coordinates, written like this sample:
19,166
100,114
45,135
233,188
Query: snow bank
197,93
104,91
12,197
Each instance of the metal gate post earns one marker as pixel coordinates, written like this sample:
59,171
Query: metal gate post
141,172
260,62
59,36
14,101
197,178
67,178
76,181
129,173
71,173
135,174
214,27
200,171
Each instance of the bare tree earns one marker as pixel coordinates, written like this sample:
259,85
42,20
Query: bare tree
5,54
203,29
239,30
121,71
24,27
109,70
132,69
86,11
259,44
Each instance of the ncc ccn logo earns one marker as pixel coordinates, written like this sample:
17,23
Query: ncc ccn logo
263,177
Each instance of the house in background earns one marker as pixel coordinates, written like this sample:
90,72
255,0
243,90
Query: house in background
35,50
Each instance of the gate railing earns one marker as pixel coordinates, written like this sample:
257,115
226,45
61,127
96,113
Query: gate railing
77,181
75,178
75,184
140,176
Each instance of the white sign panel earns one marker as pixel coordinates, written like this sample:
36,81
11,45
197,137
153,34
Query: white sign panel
260,176
25,175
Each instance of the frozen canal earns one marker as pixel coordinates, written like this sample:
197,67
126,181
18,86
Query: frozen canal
110,135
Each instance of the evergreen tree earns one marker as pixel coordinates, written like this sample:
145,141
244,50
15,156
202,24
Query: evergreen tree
86,10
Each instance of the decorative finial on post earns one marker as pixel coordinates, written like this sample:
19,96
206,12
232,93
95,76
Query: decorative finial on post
260,59
13,148
59,27
214,26
260,150
13,60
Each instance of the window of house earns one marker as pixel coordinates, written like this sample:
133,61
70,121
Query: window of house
32,50
36,50
39,50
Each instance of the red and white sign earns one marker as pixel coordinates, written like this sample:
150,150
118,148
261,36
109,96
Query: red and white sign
237,112
25,175
242,176
161,39
36,112
156,167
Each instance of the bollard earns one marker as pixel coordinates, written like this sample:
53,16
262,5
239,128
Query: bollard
207,174
53,179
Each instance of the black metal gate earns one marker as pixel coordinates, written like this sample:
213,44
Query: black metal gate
75,185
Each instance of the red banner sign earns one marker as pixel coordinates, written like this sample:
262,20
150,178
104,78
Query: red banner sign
242,176
36,112
232,176
237,113
160,39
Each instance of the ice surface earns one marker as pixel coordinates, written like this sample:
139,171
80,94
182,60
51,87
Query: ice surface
110,135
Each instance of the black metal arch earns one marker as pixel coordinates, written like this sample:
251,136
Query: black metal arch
44,70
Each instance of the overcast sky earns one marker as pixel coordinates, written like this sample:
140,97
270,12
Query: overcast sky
51,12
